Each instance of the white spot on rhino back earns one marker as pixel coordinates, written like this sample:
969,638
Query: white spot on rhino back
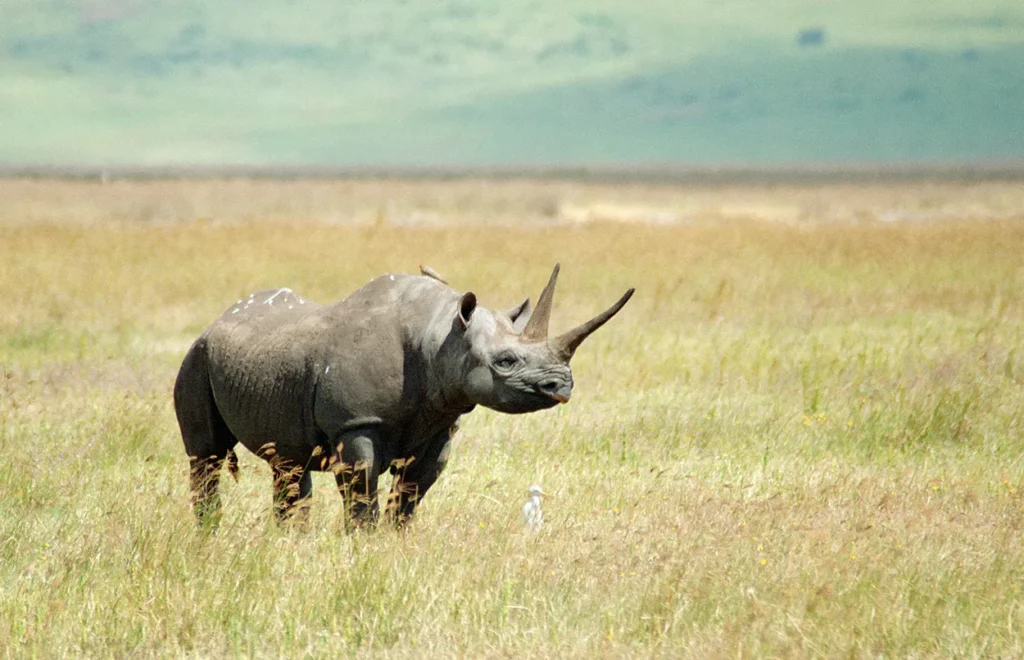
270,300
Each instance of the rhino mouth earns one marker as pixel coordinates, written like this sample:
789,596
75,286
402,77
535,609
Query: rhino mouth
555,390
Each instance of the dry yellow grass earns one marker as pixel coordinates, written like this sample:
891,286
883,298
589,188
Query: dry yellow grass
802,437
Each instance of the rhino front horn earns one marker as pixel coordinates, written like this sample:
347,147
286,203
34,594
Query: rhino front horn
537,327
567,343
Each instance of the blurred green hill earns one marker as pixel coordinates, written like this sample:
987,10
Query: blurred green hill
392,82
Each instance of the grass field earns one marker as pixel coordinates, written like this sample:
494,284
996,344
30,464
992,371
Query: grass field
802,437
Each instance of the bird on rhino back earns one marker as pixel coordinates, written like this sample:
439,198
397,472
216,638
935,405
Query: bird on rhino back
374,382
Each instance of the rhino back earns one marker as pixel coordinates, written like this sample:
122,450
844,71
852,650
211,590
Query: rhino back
262,355
288,371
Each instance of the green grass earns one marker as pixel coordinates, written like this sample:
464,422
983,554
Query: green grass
794,441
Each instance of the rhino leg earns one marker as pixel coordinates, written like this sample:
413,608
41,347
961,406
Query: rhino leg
204,483
357,474
205,435
414,480
293,486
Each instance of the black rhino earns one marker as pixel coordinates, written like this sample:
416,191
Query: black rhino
376,381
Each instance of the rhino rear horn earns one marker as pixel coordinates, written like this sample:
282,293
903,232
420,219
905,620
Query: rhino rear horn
537,327
566,344
520,315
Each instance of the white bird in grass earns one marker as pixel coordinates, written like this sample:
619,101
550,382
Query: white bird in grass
533,516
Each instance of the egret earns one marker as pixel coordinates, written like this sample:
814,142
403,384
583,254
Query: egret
533,516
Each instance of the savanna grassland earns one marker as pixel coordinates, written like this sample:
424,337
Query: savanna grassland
802,437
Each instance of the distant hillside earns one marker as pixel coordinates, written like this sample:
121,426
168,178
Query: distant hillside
415,83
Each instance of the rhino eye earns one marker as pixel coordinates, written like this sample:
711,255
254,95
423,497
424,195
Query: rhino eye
505,362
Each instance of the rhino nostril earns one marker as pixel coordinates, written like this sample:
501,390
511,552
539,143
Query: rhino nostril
558,390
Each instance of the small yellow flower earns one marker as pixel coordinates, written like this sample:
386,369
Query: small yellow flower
760,548
852,557
764,562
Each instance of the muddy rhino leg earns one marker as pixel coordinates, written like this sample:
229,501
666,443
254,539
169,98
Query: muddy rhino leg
414,480
357,474
204,483
293,488
205,435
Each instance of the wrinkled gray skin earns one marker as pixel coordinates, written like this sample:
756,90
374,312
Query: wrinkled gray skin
374,382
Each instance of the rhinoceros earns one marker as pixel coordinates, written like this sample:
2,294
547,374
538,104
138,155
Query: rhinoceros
374,382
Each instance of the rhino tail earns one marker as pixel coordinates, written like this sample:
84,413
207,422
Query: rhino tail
232,462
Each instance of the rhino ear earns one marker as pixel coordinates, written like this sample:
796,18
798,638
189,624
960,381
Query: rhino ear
466,306
520,315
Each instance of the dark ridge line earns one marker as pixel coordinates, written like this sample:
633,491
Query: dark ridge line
810,173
